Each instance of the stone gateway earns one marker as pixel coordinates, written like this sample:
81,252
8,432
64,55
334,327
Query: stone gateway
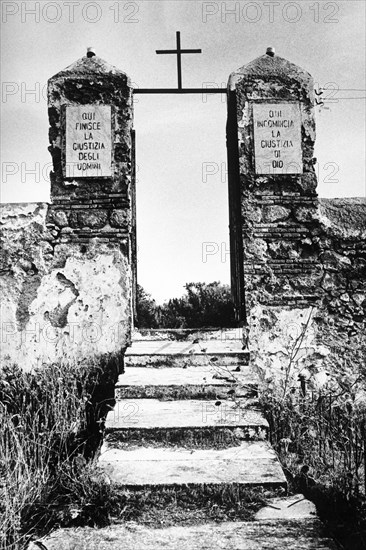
69,267
185,430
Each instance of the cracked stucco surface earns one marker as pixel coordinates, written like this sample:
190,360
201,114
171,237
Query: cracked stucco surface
59,304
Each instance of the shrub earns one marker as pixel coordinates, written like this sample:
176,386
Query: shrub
147,310
204,305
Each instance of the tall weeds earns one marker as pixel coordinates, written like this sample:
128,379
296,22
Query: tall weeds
43,431
317,420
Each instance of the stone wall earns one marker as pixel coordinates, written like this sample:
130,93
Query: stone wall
331,334
342,245
67,276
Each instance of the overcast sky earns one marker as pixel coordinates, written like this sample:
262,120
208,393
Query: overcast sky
181,154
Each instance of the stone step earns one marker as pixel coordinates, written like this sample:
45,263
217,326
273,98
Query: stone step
164,353
152,414
250,464
189,335
287,523
299,534
202,382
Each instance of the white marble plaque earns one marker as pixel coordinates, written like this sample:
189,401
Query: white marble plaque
277,138
88,141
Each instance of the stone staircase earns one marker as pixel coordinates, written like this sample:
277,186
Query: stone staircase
190,403
186,423
186,416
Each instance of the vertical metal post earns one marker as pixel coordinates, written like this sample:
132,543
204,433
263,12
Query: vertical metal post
133,229
235,221
179,62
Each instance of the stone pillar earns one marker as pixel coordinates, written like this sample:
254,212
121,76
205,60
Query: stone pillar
89,285
271,102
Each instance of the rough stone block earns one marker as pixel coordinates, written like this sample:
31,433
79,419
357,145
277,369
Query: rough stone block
275,213
93,219
120,218
306,214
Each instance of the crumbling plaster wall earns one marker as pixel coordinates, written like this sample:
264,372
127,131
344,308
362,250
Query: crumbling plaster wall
59,303
325,340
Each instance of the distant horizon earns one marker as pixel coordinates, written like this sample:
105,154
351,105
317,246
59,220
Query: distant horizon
49,202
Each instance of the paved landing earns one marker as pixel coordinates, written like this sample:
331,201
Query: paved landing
250,464
255,535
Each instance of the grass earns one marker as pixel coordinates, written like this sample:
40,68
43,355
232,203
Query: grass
188,438
190,504
47,428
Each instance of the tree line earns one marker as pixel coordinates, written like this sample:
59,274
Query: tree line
203,305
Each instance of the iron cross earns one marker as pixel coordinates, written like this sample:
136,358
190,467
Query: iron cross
179,53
